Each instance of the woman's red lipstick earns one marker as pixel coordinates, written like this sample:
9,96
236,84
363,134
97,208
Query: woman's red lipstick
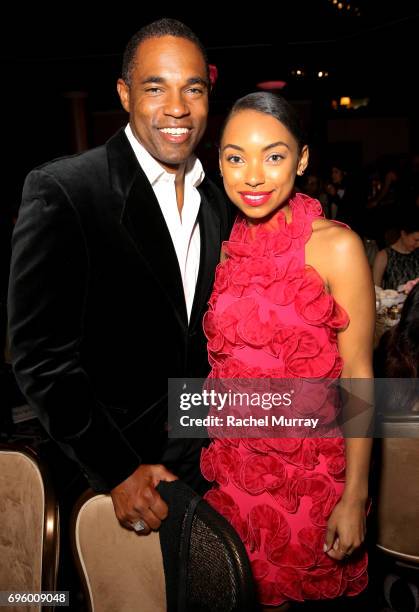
255,198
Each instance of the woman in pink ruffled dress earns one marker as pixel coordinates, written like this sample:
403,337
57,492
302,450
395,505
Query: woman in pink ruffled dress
293,298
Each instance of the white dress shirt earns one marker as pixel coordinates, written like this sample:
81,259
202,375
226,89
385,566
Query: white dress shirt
184,230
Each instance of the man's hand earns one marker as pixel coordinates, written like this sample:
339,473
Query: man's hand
137,499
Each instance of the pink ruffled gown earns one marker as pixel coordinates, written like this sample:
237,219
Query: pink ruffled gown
270,315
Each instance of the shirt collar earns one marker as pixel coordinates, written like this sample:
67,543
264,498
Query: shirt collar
194,174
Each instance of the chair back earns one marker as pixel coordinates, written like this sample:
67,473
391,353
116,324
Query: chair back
398,488
195,563
120,569
206,564
219,575
29,524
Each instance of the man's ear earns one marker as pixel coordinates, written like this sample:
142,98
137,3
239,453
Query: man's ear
123,92
303,161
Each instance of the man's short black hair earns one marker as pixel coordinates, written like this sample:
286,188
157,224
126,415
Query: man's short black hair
157,29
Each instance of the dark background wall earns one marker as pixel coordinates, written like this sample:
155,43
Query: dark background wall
47,56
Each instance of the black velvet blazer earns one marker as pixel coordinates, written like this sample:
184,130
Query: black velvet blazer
97,315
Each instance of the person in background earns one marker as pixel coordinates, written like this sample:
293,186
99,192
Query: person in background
388,194
383,208
397,356
293,297
114,253
399,263
312,186
346,202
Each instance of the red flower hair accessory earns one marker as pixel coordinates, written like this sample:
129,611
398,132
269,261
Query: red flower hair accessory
213,74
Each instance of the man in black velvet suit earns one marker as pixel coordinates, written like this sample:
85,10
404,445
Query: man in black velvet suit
113,260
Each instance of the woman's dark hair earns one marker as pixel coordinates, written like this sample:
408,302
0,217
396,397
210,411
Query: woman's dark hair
274,105
400,348
410,222
157,29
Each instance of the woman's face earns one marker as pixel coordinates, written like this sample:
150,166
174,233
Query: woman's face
337,175
259,159
410,241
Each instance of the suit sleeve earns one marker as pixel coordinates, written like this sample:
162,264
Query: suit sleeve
47,296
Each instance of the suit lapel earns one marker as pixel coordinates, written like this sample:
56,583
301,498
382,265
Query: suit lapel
143,220
209,228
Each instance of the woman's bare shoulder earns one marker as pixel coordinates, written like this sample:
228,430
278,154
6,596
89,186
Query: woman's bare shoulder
332,248
331,235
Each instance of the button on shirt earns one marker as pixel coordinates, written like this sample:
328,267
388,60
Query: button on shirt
184,230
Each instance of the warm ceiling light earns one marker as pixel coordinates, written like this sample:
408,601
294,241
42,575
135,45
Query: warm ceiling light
271,85
345,101
349,5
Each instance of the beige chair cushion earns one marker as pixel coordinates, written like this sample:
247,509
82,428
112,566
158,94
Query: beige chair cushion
398,499
124,571
21,524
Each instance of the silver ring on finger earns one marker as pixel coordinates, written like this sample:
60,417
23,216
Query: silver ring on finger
138,525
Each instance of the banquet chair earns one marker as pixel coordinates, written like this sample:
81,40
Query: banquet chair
29,524
398,504
119,570
398,488
194,563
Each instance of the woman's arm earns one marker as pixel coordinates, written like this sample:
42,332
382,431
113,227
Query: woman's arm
379,267
350,282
